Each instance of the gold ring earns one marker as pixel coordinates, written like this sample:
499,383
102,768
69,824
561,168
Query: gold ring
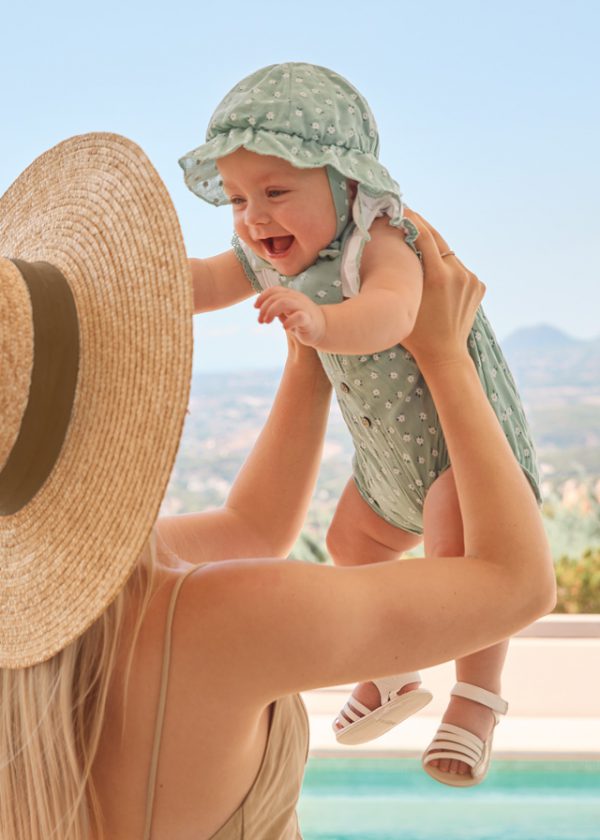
448,254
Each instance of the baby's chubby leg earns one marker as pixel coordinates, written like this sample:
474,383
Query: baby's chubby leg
443,531
357,536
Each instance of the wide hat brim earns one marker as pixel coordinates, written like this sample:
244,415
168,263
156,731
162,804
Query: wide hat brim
94,207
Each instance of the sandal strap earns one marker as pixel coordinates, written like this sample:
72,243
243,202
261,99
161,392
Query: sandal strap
457,743
481,695
459,735
387,686
448,754
353,710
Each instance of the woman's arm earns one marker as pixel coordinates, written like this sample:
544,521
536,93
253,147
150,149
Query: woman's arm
306,626
268,501
218,282
380,316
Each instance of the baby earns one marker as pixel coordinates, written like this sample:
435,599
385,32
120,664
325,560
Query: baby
321,235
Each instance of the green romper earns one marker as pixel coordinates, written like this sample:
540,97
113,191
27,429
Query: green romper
399,448
311,116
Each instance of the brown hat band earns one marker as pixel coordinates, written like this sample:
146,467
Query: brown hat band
52,390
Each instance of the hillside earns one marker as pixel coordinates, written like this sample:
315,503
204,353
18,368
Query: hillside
544,357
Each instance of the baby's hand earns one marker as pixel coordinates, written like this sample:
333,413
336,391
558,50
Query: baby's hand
297,312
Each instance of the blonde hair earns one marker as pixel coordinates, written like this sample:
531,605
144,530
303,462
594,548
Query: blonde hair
51,719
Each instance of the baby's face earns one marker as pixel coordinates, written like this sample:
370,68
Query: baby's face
284,214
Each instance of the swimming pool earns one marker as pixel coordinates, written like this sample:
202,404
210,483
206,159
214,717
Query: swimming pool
393,799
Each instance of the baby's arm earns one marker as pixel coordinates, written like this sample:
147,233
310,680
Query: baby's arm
381,315
219,282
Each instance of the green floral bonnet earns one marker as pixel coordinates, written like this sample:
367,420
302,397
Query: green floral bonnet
310,117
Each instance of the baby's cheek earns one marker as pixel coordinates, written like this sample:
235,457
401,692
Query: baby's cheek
243,234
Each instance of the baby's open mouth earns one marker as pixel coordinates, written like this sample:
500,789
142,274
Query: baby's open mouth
277,246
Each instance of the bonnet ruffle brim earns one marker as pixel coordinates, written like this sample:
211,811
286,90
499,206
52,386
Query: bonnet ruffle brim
307,115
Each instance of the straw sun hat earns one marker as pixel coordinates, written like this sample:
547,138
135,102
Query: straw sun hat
95,366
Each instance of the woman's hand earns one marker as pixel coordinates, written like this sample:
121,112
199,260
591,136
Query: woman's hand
451,295
296,311
302,354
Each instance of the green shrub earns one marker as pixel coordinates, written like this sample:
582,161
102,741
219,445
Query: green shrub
578,583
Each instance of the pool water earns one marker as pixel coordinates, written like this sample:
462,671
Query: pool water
393,799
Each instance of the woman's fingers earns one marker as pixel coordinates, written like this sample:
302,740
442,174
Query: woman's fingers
425,228
423,223
299,320
429,248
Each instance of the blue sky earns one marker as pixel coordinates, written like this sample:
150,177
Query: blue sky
488,115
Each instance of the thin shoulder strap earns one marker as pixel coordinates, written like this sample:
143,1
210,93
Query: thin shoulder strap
160,713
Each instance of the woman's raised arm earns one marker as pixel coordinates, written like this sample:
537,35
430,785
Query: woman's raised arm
267,504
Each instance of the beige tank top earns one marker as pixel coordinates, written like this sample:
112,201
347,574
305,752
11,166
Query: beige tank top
269,810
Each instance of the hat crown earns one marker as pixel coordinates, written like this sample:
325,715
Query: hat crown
301,100
16,354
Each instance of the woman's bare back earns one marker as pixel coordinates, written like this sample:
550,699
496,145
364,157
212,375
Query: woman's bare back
211,747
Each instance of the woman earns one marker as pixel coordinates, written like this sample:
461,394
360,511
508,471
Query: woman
175,714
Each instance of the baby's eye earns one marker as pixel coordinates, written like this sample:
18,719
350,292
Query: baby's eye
237,200
275,193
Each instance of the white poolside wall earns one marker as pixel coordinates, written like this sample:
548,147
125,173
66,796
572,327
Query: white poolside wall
551,681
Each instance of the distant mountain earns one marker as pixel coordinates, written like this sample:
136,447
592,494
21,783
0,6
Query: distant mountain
540,337
543,356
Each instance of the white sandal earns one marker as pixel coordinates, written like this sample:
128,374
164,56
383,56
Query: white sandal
361,724
454,742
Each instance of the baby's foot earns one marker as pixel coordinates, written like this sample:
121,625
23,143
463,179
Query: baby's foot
472,716
368,694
